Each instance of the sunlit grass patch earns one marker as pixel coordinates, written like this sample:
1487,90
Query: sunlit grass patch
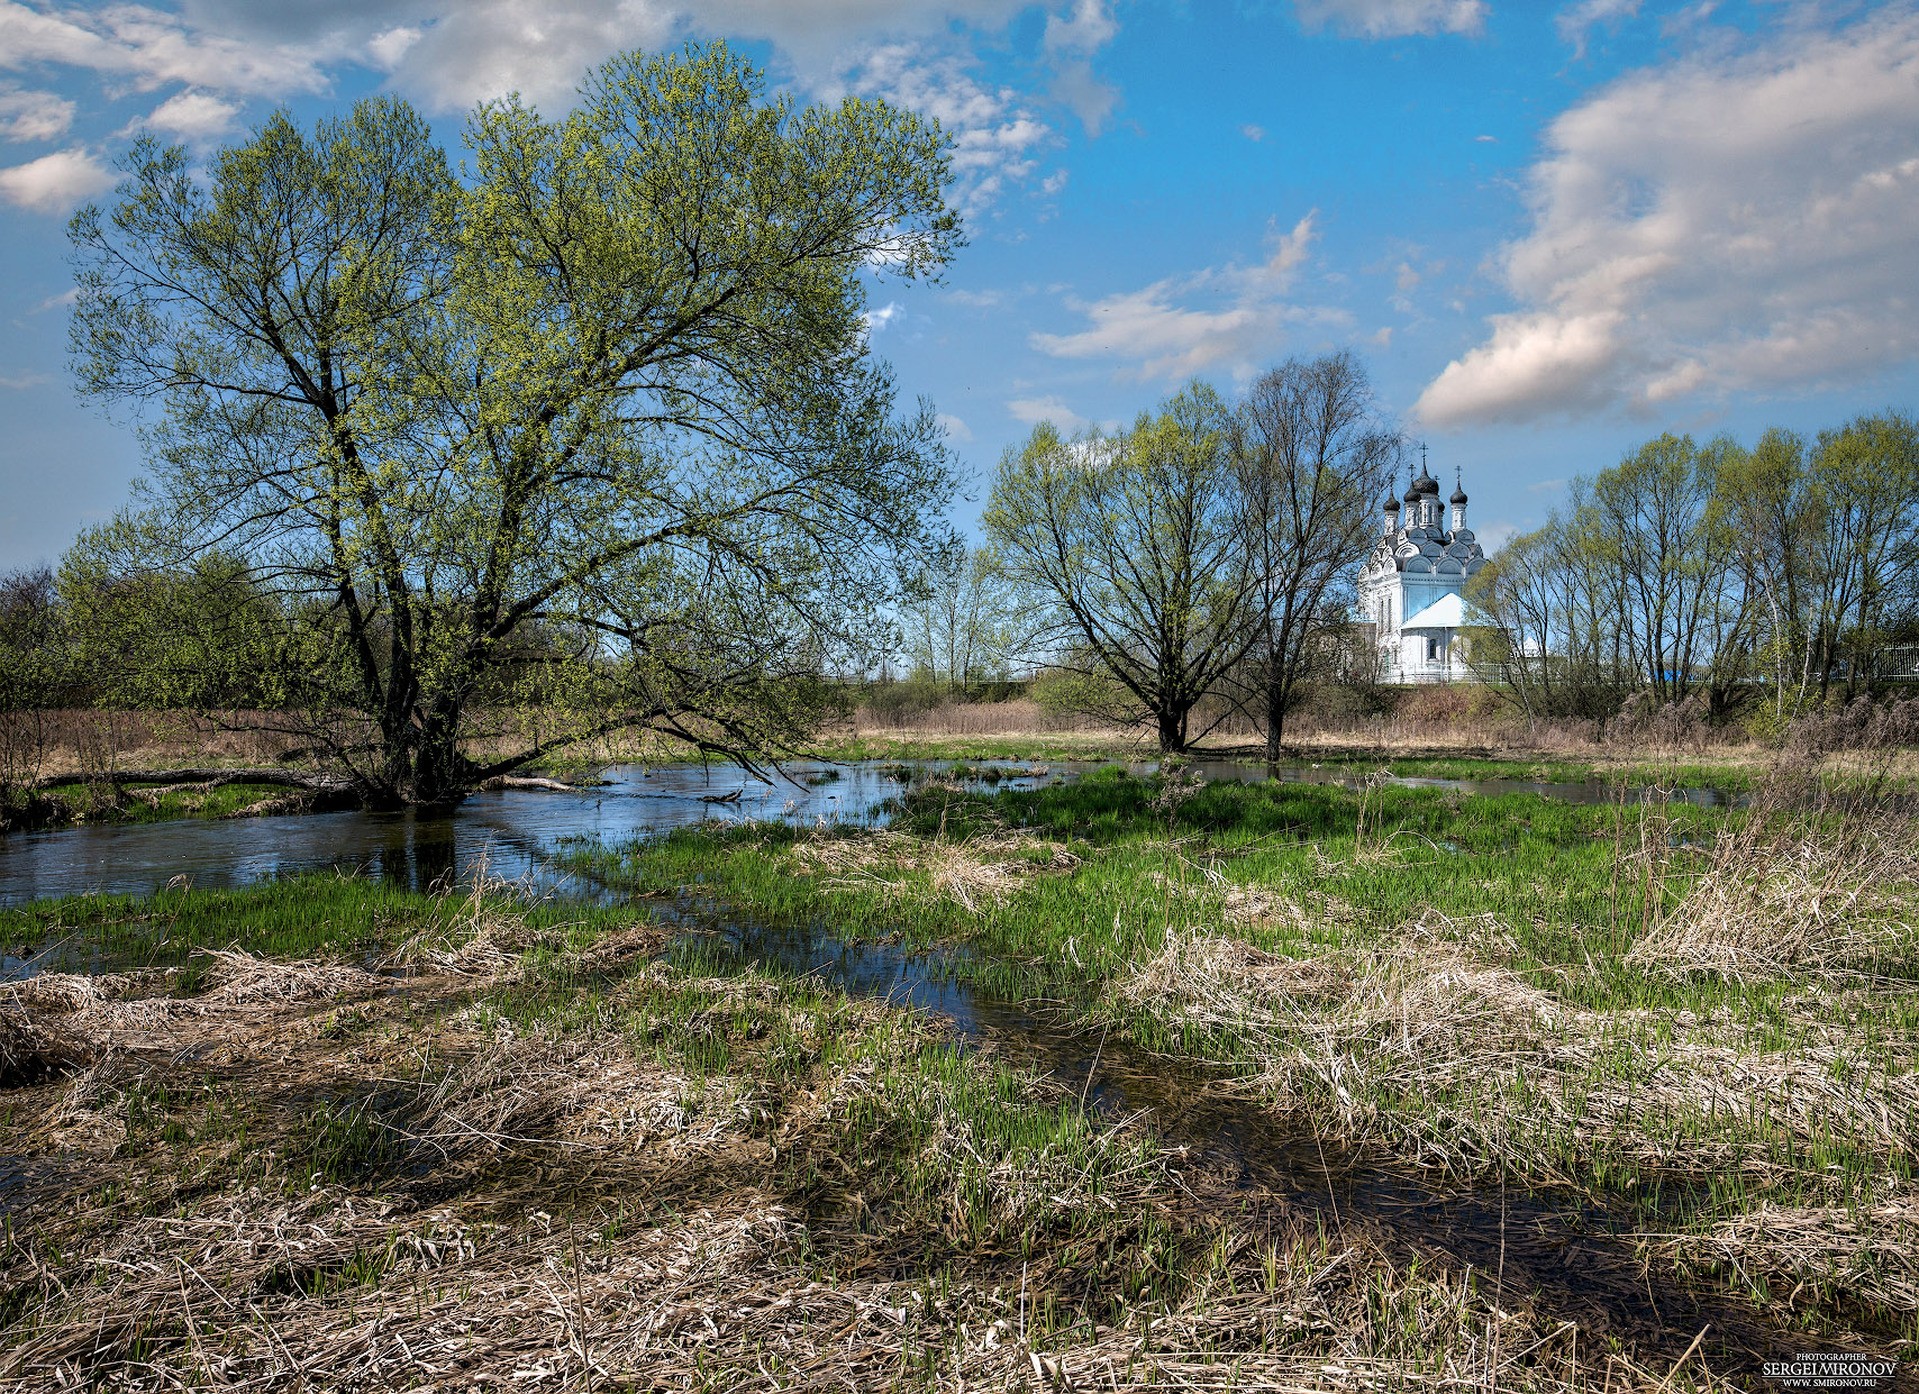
336,917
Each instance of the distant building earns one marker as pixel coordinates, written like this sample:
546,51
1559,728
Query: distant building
1411,591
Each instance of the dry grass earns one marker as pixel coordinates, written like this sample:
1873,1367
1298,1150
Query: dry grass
1430,1041
718,1297
1799,894
534,1207
1869,1253
974,873
33,1048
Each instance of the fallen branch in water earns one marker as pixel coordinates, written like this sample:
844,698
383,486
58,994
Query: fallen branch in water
523,781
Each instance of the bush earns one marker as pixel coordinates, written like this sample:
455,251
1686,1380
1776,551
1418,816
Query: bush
1065,692
1861,724
900,701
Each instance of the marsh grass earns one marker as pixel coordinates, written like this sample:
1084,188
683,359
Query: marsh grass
83,802
335,1135
577,1165
324,916
1694,1016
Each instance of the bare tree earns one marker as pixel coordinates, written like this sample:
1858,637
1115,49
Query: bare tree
1310,455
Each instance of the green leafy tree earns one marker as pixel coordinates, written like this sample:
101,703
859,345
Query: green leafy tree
1135,543
614,391
1539,633
1310,453
967,623
37,671
206,636
1651,523
1865,478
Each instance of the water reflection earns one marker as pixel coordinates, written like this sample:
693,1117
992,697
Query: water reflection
510,833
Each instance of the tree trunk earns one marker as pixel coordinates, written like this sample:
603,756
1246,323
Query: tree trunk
1276,703
1172,732
441,774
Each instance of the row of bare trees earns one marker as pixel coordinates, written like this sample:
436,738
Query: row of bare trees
1209,550
1717,575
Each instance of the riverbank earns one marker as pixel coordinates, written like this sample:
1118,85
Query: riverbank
376,1140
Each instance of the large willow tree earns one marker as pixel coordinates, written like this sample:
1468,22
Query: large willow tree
592,430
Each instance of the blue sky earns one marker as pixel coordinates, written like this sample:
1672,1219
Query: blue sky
1550,229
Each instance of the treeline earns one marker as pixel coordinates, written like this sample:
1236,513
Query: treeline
1717,577
85,636
211,635
1195,565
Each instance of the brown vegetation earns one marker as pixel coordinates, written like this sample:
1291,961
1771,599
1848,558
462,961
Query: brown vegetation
318,1176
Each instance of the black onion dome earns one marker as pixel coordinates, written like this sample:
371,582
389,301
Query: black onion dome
1426,484
1459,495
1392,504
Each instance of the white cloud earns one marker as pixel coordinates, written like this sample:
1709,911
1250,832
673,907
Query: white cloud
876,321
388,48
34,115
448,55
150,48
1070,42
1033,410
1087,29
195,116
996,137
955,429
1383,19
20,382
1739,223
1492,536
1252,132
55,183
69,296
1184,325
1575,20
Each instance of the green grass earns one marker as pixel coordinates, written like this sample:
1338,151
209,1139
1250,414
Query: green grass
90,805
1558,889
321,916
888,1148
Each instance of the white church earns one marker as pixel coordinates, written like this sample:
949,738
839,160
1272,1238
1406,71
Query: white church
1411,590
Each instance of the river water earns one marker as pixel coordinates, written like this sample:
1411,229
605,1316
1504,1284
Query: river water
513,833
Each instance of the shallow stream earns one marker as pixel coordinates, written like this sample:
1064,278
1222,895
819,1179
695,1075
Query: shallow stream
1570,1255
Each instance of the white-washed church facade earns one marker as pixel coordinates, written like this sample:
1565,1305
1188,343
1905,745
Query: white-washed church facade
1411,592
